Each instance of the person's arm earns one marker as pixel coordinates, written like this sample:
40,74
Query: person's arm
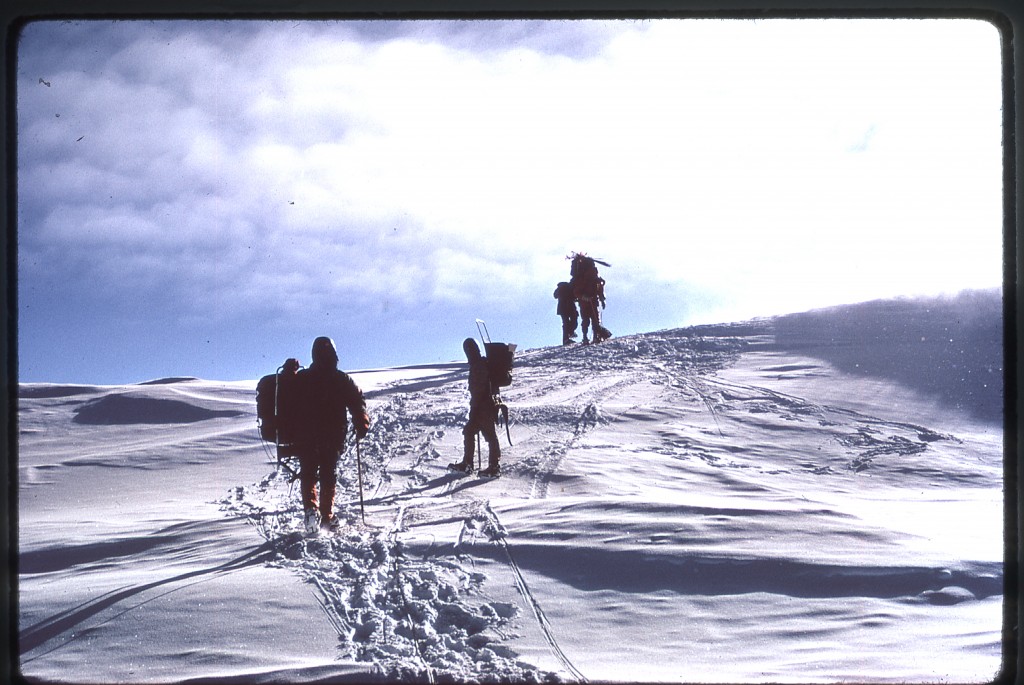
356,404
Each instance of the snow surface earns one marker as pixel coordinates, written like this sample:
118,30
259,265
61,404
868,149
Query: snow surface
699,505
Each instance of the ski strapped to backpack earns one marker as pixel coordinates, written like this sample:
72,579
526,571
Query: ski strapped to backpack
275,421
499,357
581,262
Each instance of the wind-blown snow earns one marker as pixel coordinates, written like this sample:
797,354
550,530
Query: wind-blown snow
714,504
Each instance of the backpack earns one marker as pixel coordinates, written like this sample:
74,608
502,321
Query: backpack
499,368
266,409
275,404
499,357
585,280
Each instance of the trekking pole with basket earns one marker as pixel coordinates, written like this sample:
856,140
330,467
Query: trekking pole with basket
359,470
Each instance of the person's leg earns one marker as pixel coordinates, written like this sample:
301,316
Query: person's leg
307,480
328,484
493,448
308,475
468,436
600,332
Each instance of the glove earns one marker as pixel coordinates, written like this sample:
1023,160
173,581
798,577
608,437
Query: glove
362,425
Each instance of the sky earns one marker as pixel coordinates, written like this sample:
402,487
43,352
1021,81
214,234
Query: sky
205,197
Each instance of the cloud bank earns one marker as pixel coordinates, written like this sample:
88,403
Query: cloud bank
187,190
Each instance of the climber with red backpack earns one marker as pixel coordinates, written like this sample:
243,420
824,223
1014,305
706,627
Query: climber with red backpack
588,289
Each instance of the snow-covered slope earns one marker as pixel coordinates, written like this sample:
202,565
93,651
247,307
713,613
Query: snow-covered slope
701,504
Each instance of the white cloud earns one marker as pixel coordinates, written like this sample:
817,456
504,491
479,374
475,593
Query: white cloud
771,164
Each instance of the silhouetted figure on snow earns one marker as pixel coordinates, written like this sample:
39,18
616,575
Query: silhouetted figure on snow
588,288
325,394
483,413
567,310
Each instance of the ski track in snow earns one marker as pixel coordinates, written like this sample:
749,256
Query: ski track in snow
439,624
357,572
411,591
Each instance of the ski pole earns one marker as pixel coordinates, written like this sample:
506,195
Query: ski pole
484,333
359,470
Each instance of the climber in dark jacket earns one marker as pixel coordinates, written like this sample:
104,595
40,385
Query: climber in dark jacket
325,394
483,413
567,310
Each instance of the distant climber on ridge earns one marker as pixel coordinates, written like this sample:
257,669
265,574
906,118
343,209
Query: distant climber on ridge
588,289
567,310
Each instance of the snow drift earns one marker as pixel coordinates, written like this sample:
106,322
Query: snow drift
737,503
